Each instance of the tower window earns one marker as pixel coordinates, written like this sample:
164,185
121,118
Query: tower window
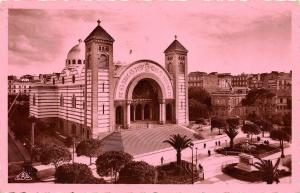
63,80
79,61
102,109
83,61
73,78
61,100
73,101
102,87
73,61
69,61
53,81
33,100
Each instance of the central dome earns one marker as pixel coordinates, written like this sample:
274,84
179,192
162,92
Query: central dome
76,55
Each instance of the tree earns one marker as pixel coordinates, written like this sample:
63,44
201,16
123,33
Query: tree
250,129
137,172
68,141
75,173
262,98
268,172
199,103
218,122
198,110
231,130
112,161
54,154
281,136
179,143
264,125
287,119
90,148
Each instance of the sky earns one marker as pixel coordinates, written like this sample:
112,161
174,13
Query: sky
232,38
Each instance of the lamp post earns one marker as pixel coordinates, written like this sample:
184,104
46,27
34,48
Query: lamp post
196,156
32,119
192,148
74,143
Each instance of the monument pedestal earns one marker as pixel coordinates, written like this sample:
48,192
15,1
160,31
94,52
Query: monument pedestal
245,162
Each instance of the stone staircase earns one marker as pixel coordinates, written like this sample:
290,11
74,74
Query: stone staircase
140,141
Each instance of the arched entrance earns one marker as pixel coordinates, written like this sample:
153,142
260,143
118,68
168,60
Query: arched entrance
145,101
119,115
169,112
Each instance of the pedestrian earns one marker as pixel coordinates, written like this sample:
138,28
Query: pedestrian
219,143
204,145
162,160
200,168
208,152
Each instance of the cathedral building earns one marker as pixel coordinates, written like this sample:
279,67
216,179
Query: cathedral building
93,95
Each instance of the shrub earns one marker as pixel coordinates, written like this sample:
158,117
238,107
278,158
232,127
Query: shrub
54,154
137,173
76,173
68,142
112,161
90,148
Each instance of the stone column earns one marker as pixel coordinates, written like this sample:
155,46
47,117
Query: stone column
134,108
143,106
162,112
128,114
151,110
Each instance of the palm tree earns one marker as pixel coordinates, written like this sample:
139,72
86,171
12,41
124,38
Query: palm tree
269,172
232,129
179,143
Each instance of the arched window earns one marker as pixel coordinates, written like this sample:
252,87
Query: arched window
102,109
61,100
73,101
79,61
102,87
63,80
69,61
33,100
73,61
53,81
73,78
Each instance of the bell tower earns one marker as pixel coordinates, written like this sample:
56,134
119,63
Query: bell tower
99,77
176,65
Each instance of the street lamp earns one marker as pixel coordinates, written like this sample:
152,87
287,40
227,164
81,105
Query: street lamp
196,156
192,148
33,120
74,143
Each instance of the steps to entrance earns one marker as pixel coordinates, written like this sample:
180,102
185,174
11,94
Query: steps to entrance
140,141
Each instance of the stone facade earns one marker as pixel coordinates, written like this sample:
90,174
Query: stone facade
93,95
